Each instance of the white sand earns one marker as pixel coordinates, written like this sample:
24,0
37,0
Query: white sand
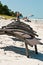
13,52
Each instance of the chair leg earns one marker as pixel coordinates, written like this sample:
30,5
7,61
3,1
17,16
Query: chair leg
36,49
26,50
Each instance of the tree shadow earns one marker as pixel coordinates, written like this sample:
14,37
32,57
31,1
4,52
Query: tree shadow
22,51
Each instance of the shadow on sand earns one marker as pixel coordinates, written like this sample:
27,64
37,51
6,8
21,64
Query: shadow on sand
21,51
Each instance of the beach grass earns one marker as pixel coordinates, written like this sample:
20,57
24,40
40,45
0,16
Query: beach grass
7,17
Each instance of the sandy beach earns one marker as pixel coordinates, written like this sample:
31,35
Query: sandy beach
12,50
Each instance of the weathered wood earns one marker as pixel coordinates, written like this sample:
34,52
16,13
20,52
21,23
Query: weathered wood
21,31
21,25
26,50
15,34
36,49
23,28
22,36
25,32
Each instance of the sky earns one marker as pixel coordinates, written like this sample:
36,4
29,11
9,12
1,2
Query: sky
26,7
